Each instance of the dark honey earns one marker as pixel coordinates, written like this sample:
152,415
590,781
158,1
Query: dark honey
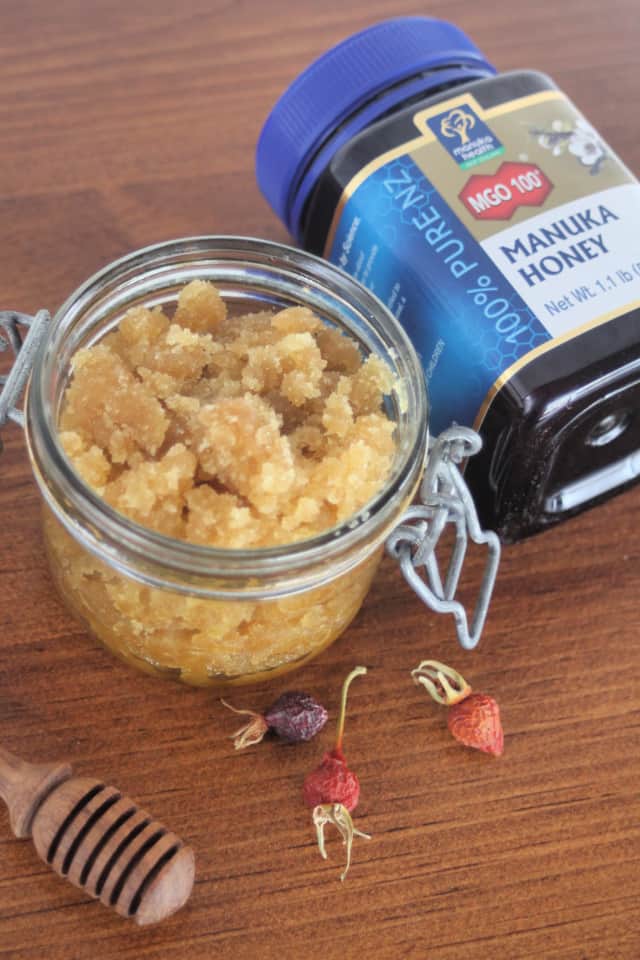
500,230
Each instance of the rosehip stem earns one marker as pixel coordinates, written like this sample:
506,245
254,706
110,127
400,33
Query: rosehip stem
356,672
444,684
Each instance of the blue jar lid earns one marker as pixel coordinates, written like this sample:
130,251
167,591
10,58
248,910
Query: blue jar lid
349,87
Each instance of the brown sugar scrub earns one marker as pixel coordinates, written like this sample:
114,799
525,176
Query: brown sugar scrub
226,431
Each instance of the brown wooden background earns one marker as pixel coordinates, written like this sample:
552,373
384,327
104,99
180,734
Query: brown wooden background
125,123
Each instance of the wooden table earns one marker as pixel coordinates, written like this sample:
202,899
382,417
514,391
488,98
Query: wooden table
123,124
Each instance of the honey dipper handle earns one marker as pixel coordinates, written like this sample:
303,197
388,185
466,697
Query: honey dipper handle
24,786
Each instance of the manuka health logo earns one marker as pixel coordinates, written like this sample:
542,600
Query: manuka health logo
466,137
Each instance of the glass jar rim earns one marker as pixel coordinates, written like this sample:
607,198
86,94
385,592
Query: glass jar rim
154,557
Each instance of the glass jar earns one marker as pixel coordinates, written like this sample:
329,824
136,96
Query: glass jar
200,614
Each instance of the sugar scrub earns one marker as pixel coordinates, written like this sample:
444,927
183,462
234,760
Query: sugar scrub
229,431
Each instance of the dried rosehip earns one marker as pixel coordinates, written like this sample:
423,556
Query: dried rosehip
332,789
332,782
475,721
474,718
294,716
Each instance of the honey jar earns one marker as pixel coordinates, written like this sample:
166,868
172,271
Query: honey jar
499,228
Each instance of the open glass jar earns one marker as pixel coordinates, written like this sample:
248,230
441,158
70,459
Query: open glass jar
209,615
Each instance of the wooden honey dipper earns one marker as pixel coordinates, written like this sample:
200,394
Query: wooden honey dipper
97,839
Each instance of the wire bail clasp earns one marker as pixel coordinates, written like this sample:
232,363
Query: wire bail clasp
446,499
25,347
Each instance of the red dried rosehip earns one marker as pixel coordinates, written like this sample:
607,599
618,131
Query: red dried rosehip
332,782
294,716
475,721
332,789
474,718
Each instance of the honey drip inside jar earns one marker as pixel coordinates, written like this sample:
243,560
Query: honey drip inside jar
235,432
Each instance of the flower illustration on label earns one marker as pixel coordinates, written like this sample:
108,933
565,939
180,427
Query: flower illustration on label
581,141
585,145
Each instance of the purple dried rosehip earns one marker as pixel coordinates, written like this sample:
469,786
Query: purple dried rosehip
294,716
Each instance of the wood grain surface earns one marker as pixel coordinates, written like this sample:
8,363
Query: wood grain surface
123,124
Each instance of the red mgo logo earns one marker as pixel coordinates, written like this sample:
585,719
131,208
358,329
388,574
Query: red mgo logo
497,196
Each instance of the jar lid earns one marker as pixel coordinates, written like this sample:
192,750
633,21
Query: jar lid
344,79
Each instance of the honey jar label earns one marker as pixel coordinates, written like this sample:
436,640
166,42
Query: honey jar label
492,235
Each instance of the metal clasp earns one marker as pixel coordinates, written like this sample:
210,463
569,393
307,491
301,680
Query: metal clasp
25,348
446,499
